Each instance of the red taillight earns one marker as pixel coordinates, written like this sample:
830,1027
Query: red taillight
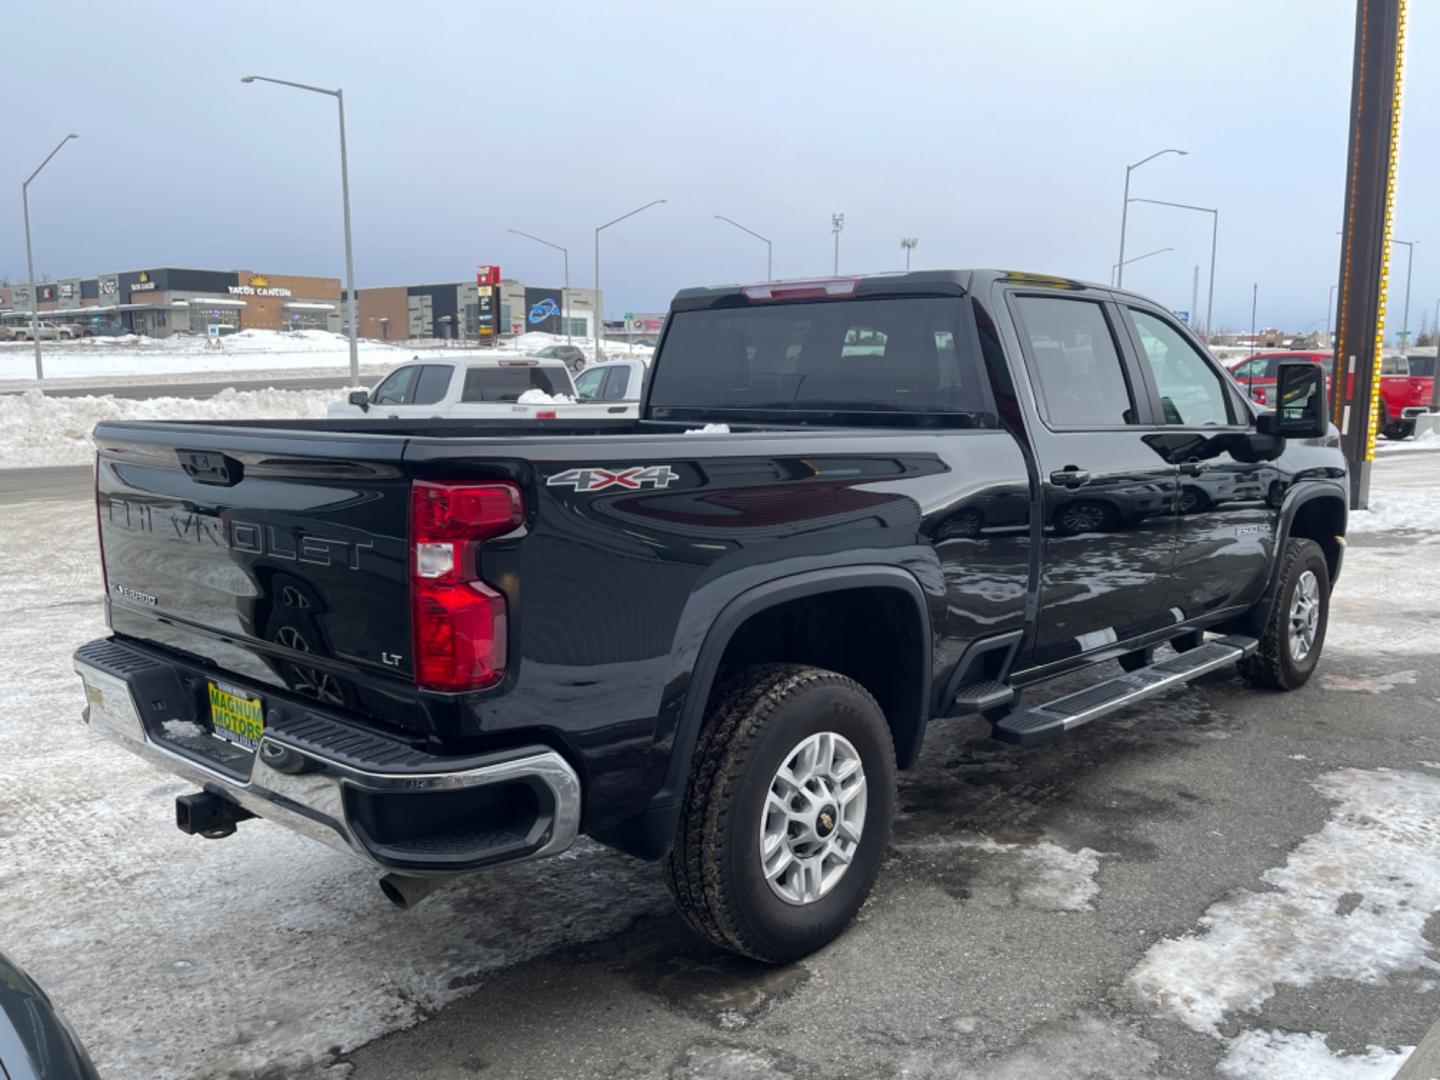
801,290
546,414
459,621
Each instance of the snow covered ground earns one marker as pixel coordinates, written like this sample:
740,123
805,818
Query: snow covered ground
247,351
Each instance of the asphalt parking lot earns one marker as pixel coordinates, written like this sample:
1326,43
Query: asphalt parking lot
1220,882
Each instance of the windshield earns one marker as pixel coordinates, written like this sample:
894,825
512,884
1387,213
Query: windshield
903,355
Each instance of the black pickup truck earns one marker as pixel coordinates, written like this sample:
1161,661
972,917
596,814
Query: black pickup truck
711,636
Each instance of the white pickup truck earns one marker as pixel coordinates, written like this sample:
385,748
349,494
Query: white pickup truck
486,388
464,387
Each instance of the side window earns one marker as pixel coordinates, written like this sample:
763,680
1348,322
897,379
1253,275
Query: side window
395,390
587,384
430,387
1260,367
1393,365
1191,392
615,380
1077,366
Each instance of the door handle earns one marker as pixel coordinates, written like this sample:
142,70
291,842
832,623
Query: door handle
1070,476
1193,468
616,408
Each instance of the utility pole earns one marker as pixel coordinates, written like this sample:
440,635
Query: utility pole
908,243
837,222
1365,249
1195,300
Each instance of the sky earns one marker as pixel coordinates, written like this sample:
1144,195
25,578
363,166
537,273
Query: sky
995,134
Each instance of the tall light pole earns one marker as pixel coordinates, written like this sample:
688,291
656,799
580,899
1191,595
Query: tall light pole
350,300
769,268
599,315
29,259
565,295
1125,209
908,243
1409,266
1137,258
1214,234
837,222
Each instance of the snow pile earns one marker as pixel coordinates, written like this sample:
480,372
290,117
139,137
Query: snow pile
709,429
1288,1055
39,430
540,397
1425,440
1043,876
1382,846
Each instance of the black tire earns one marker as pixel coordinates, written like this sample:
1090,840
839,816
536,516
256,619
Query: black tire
1274,664
754,722
1395,430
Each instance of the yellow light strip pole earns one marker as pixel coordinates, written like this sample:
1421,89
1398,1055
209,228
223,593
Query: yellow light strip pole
1365,249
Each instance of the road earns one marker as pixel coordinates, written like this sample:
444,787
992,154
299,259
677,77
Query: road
1217,880
198,389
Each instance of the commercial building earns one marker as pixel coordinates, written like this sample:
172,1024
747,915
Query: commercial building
169,300
452,310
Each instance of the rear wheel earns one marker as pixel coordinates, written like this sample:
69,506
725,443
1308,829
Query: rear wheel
787,812
1295,632
1398,429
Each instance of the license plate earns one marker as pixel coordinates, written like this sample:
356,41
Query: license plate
236,717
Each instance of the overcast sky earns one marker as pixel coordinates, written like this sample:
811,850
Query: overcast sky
997,134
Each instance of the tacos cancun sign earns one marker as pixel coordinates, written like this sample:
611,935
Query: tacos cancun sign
258,286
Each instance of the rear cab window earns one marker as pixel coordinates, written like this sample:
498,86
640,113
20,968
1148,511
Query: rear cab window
507,383
884,360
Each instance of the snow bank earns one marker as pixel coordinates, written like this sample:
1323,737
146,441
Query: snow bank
709,429
39,430
1382,845
1289,1055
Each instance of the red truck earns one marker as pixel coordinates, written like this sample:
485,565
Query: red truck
1407,384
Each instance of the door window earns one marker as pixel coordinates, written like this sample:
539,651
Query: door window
1257,367
430,387
1191,391
616,379
587,385
1076,363
395,390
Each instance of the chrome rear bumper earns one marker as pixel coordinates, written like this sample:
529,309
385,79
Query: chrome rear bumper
523,804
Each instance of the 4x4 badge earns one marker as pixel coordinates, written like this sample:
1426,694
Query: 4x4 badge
594,478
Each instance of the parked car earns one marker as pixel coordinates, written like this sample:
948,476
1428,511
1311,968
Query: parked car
710,635
465,387
573,357
35,1041
1257,373
101,328
1407,389
45,331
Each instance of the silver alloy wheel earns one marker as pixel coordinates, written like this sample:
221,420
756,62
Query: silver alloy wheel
813,819
1304,615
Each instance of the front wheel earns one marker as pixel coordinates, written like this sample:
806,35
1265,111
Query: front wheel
787,812
1294,634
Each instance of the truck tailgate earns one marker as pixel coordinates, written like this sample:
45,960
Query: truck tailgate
288,569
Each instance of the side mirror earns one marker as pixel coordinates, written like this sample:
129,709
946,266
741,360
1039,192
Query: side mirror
1300,406
360,399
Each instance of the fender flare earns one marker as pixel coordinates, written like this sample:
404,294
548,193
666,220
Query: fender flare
649,834
1299,495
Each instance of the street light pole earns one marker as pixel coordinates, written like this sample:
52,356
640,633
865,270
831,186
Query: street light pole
565,293
30,259
908,243
599,314
1214,234
350,298
769,269
1125,208
1137,258
1409,266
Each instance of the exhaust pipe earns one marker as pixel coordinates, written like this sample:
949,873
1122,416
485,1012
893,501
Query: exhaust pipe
405,892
